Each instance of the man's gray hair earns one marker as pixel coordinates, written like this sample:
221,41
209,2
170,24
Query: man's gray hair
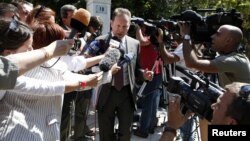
65,8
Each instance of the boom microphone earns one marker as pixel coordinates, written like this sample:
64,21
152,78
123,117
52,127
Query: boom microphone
79,22
111,57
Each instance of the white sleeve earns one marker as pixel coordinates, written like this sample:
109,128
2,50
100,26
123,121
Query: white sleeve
31,86
68,75
74,63
106,78
179,52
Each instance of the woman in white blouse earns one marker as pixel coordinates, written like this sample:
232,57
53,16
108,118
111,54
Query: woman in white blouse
34,114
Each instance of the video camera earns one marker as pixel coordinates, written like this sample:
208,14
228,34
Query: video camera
151,29
199,98
202,28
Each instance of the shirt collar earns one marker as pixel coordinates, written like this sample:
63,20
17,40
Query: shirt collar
122,39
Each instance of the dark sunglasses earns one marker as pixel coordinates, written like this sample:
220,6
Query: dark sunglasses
39,11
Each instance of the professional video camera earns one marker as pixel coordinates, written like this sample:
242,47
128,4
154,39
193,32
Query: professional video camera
151,29
199,98
203,27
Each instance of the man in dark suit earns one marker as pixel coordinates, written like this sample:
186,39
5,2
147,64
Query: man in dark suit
120,102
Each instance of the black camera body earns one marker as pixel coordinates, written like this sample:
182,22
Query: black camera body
77,45
76,48
151,29
197,100
202,28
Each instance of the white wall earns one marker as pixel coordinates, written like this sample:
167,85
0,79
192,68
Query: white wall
101,8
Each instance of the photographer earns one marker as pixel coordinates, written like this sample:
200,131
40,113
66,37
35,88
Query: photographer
231,65
231,108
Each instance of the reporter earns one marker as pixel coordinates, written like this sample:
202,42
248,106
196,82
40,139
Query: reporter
15,65
231,108
39,112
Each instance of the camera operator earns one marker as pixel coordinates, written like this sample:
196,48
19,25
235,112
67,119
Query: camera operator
231,108
176,56
231,65
149,58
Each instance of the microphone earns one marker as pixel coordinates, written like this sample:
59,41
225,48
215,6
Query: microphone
115,42
126,58
79,22
110,58
97,47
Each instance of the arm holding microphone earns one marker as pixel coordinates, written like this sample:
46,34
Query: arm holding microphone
79,22
109,64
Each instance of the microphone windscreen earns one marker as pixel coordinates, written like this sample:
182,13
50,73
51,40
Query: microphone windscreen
80,20
111,57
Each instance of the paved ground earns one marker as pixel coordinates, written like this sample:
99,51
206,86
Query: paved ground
162,118
152,137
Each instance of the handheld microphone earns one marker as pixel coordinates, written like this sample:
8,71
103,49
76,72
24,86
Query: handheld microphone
110,58
79,22
126,58
115,42
97,47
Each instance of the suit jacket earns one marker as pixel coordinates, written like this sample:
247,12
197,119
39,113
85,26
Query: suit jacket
133,70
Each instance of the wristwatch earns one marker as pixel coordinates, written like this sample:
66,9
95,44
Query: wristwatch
187,37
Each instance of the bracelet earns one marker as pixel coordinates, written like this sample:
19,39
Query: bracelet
82,84
170,129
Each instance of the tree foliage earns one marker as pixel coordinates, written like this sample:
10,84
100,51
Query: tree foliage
156,9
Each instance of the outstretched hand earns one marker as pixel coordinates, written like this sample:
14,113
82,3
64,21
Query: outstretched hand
60,47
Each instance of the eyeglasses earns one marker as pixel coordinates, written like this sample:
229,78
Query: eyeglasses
39,11
244,92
